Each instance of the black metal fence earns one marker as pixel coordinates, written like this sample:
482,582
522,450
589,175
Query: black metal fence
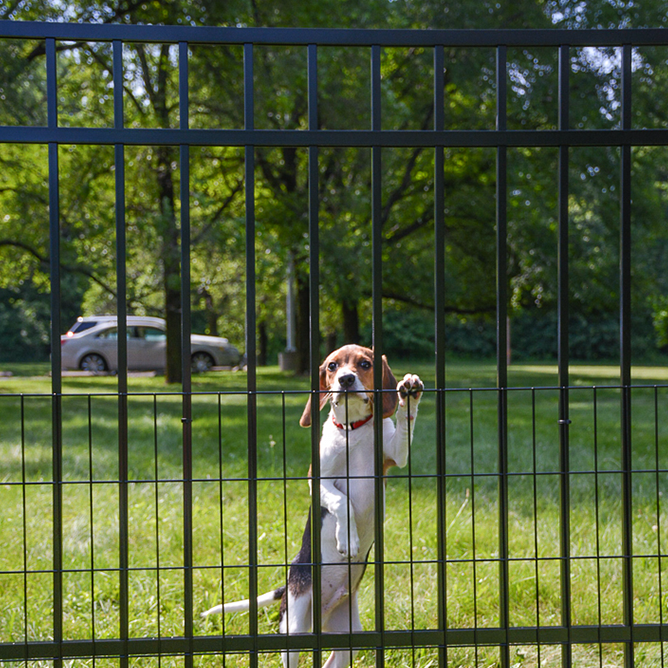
479,483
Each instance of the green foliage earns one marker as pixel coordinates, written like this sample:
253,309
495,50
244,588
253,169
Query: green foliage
22,83
24,325
591,337
608,14
408,333
217,178
25,316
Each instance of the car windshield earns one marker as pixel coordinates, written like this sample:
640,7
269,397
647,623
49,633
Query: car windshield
82,326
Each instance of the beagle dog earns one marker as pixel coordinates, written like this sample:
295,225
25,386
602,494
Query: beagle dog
347,495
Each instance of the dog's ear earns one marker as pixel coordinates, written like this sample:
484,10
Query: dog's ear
305,420
390,390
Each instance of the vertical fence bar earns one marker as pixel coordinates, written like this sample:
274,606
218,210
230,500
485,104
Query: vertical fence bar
597,509
536,543
121,273
221,517
91,522
474,551
314,352
56,372
563,355
251,382
24,523
439,324
659,509
625,355
502,344
122,353
156,505
186,416
377,327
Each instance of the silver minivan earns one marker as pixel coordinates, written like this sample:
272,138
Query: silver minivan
91,345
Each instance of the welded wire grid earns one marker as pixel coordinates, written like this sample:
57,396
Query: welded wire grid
94,556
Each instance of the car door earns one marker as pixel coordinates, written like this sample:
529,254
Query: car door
130,348
148,345
104,343
135,348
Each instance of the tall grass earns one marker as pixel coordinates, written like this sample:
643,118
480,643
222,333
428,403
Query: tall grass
221,509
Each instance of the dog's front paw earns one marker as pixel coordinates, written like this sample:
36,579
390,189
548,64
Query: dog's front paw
347,541
410,386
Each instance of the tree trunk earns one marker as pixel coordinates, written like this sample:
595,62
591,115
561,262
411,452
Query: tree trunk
173,370
210,312
303,324
330,342
263,343
351,321
170,257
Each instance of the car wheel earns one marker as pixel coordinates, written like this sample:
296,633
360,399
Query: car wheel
93,362
201,362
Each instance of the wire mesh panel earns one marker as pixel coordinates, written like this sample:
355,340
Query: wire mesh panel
527,525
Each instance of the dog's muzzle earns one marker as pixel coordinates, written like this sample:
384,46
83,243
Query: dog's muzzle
348,386
347,381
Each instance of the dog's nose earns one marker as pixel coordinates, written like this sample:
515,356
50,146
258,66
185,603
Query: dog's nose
347,380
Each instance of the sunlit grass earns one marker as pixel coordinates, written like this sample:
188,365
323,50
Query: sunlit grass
90,544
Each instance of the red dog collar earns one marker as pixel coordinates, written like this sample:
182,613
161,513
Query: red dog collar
353,425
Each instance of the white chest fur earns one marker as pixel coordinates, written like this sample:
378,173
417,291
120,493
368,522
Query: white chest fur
348,483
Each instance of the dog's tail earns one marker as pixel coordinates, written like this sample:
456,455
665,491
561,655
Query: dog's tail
244,606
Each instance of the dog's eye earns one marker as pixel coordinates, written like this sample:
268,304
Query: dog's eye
365,364
332,366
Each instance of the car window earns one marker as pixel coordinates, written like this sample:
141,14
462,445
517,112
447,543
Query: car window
154,334
112,333
82,326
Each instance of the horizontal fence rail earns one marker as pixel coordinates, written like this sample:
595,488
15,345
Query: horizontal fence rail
341,138
141,548
338,37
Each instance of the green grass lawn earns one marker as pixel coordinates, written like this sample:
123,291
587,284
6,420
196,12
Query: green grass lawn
220,507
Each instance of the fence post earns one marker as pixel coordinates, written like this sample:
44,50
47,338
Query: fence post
186,369
377,334
251,381
563,356
314,334
439,324
625,356
502,344
56,373
122,352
